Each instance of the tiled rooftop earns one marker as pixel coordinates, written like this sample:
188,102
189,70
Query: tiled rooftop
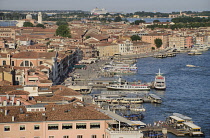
73,111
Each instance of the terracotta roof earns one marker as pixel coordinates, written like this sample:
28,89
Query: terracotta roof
66,92
4,89
5,83
45,81
54,98
3,55
47,55
73,111
17,92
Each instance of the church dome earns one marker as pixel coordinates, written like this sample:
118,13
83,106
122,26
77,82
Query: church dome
29,16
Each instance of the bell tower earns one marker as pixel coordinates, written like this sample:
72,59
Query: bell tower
40,17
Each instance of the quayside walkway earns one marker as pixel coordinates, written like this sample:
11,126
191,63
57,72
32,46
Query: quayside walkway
160,128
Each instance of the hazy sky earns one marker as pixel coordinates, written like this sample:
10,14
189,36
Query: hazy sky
109,5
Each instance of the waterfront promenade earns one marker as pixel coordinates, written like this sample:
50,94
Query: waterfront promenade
93,71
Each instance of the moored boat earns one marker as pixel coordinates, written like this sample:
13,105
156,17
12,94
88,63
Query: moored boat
159,82
154,98
129,87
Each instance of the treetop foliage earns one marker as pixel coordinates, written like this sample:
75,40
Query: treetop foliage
63,30
158,42
135,38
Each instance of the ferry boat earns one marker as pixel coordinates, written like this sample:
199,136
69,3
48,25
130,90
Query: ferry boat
134,87
184,124
194,52
201,47
131,101
120,68
129,87
192,129
159,82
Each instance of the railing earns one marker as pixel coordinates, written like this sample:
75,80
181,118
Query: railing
110,131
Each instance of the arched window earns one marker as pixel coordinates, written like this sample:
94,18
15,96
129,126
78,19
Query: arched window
26,64
4,62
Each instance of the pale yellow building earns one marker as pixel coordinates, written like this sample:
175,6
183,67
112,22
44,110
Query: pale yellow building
107,50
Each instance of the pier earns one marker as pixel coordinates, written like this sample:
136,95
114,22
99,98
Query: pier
169,130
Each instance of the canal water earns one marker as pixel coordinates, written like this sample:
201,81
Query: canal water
188,88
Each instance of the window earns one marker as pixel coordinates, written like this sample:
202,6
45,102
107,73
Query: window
6,128
80,125
65,136
4,62
36,127
26,64
94,125
40,62
52,126
79,136
36,137
67,126
93,136
21,64
51,137
22,127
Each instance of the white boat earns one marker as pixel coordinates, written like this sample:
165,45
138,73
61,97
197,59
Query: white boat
120,68
159,82
137,108
133,87
201,47
188,65
154,98
127,86
194,52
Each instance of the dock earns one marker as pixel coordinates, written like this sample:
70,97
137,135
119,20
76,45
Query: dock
169,130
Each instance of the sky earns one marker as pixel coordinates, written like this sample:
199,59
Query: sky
126,6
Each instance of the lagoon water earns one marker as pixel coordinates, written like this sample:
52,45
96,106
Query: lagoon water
149,20
187,92
188,88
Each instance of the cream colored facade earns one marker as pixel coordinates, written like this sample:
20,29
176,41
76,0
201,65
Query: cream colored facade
151,39
176,42
108,50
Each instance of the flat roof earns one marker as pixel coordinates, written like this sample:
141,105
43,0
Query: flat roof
191,125
154,96
176,118
121,119
182,116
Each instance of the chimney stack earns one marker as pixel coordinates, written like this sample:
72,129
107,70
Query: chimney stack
5,112
13,118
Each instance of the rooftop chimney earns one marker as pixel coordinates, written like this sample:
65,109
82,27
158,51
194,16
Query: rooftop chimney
13,118
5,112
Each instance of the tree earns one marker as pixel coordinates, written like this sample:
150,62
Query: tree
88,37
59,23
118,19
28,24
63,30
156,21
137,22
158,42
40,25
135,38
